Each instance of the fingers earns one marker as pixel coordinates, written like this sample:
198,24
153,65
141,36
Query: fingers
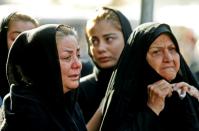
157,92
182,88
161,88
181,85
193,92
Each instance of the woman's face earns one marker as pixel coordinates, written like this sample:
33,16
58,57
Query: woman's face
107,43
163,57
69,53
15,28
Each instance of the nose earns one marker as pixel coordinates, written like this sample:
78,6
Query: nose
76,63
167,56
101,47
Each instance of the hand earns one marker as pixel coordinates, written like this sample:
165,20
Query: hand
185,87
181,90
157,92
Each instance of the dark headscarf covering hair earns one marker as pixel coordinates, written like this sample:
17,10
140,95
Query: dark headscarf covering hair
4,89
126,31
33,71
93,87
130,80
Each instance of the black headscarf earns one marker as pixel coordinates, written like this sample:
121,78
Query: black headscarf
33,71
135,69
130,80
125,27
4,89
93,87
126,31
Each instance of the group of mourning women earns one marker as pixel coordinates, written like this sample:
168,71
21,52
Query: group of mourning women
149,88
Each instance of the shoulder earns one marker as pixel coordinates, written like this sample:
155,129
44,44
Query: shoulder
91,78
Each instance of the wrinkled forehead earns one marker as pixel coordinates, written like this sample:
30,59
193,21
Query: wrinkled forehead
163,40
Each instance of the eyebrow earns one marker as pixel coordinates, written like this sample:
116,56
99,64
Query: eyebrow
110,34
70,50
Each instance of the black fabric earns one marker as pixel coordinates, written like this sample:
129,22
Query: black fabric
128,109
36,101
87,68
93,87
4,89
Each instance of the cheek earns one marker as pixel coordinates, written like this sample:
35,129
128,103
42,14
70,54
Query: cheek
64,69
177,62
11,38
154,63
9,41
119,48
93,51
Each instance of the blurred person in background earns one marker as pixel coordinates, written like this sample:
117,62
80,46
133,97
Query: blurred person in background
11,27
187,39
195,61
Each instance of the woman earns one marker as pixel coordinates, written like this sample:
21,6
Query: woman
43,70
11,27
195,61
148,87
106,33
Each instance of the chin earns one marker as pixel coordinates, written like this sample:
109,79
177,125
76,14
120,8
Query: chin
105,66
71,86
74,86
170,78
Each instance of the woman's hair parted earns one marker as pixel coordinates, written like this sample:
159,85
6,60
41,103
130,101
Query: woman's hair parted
17,16
65,30
107,14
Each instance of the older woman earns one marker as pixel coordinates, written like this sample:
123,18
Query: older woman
152,89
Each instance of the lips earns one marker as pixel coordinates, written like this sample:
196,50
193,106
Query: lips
103,59
74,76
168,67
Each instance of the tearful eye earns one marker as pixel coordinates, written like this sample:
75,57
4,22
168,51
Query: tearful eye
67,58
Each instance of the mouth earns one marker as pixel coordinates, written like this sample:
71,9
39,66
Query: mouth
104,59
74,77
168,68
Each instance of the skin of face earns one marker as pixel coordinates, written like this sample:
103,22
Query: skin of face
163,57
15,28
107,43
70,64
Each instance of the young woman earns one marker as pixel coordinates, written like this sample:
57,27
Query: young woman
43,71
11,27
107,33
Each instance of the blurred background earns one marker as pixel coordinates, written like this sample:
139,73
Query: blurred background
182,15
